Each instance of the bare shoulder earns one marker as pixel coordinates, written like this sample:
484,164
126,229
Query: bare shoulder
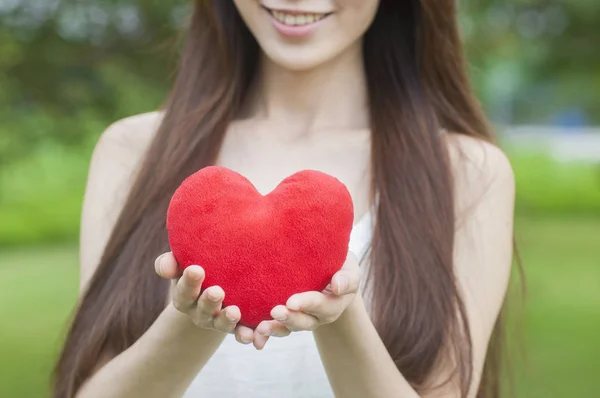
114,162
483,245
122,145
131,134
479,168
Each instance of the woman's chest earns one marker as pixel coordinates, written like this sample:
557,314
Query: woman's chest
266,157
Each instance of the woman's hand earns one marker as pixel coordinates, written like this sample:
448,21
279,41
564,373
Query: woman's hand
205,310
308,311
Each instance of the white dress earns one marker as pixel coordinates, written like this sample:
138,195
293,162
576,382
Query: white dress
288,367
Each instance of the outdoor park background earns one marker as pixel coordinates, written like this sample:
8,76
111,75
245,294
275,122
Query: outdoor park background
70,68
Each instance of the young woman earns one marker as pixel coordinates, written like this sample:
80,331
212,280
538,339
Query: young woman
372,92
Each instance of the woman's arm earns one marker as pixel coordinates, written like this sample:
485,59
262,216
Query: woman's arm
356,361
113,166
354,356
163,362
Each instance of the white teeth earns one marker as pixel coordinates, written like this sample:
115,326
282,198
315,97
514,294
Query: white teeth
297,19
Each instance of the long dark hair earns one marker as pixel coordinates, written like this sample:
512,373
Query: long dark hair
417,84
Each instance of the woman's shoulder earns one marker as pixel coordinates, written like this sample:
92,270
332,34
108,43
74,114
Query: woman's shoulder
479,168
133,133
114,162
123,144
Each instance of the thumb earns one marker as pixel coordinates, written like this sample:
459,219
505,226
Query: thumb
166,266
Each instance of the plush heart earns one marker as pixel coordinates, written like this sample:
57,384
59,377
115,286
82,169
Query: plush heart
261,249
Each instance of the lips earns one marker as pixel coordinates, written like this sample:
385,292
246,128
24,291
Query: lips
296,23
297,19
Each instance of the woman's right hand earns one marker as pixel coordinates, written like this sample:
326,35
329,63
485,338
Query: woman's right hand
205,310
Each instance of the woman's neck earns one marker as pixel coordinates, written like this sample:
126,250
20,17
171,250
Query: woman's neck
332,95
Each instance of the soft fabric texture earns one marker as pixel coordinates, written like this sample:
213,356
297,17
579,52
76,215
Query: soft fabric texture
288,367
261,249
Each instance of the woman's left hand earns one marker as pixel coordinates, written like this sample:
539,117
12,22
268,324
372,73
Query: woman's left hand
308,311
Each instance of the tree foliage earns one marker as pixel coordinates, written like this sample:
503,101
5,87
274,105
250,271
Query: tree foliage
70,67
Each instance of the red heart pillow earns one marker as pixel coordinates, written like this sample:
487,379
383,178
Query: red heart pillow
261,249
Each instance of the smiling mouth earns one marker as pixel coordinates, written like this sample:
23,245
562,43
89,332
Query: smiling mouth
296,18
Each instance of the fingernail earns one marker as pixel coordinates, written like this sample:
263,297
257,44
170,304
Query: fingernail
342,284
195,275
213,297
245,340
294,304
230,317
159,262
280,316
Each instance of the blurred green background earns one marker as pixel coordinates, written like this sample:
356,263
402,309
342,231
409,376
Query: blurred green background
70,68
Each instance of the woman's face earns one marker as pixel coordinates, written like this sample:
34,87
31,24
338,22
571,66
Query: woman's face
302,34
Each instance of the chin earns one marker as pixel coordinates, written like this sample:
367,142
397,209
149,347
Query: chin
297,59
297,40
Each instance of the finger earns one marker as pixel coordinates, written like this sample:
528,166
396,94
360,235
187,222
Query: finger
294,320
273,329
188,287
227,319
166,266
322,306
244,334
210,302
303,301
347,280
260,340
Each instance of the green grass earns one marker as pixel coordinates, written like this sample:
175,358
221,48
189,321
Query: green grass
38,288
561,258
561,324
40,196
548,186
